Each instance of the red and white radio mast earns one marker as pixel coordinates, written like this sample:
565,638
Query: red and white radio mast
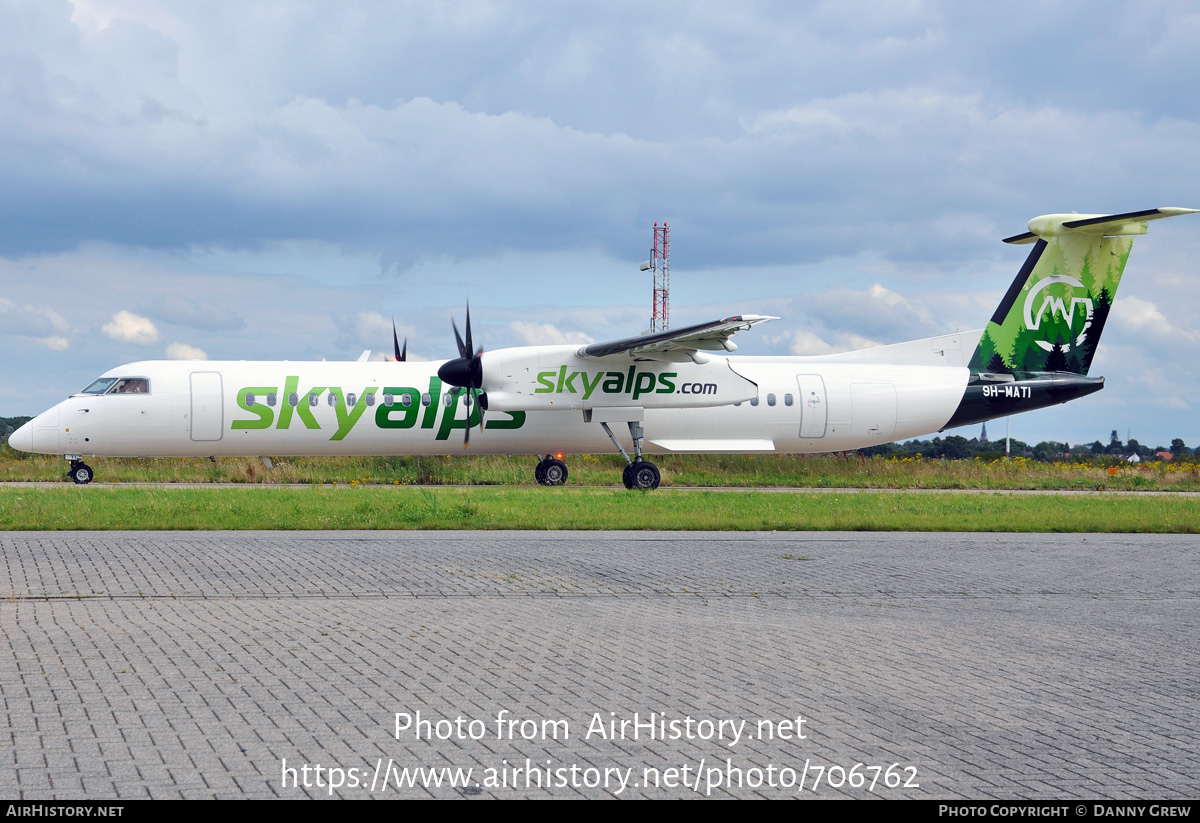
660,267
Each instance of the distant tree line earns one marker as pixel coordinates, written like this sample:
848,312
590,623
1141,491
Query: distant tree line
957,447
8,425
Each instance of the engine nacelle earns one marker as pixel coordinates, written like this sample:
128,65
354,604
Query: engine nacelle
554,377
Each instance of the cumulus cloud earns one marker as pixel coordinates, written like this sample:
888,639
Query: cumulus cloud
540,124
546,334
197,314
43,326
1144,318
807,343
368,330
127,327
182,351
873,313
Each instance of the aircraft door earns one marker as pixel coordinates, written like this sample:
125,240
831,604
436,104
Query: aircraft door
208,415
814,412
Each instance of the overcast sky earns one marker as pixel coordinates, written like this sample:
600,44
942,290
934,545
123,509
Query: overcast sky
265,180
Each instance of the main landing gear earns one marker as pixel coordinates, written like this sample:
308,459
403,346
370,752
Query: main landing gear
639,474
550,471
80,472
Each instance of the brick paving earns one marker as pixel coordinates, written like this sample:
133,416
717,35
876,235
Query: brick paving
147,665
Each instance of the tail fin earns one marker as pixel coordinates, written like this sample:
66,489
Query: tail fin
1051,318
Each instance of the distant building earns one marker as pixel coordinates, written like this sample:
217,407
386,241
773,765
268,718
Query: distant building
983,434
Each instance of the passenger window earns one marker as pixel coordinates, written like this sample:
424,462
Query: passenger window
313,400
447,399
332,399
249,400
787,399
426,399
388,400
754,402
270,398
406,400
293,400
467,400
351,399
370,398
771,399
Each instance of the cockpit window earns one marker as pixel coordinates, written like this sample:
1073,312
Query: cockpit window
100,386
131,385
119,385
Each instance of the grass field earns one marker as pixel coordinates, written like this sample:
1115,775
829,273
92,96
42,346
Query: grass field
375,507
817,471
410,493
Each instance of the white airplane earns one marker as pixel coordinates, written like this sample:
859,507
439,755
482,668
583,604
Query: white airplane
675,391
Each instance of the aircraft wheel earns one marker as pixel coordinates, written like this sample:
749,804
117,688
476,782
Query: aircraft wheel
642,475
81,473
539,472
554,471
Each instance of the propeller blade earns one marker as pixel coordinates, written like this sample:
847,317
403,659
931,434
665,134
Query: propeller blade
472,400
466,370
462,350
467,427
467,351
478,406
400,355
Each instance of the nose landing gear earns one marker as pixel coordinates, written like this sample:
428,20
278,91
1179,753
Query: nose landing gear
80,472
550,471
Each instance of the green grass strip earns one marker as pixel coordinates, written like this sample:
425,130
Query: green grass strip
825,471
373,507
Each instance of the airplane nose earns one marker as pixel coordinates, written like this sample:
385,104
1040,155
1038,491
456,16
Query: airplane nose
22,438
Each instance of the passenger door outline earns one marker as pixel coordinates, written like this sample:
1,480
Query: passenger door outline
814,408
207,410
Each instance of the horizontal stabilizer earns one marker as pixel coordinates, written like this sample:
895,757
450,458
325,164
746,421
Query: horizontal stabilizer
1102,225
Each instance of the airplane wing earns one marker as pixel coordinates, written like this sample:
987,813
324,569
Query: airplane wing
676,345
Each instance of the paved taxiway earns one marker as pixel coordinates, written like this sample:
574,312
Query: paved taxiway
193,664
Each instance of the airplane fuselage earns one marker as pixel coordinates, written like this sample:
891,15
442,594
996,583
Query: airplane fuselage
235,408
